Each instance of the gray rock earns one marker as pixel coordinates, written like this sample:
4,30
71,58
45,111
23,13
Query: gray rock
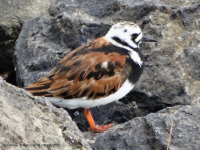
48,39
29,122
152,131
13,14
191,61
9,32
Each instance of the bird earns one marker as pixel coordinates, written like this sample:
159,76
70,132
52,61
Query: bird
98,73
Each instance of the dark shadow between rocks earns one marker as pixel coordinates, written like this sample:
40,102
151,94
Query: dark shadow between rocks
9,76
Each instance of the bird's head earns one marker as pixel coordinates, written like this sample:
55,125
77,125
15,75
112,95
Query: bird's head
127,34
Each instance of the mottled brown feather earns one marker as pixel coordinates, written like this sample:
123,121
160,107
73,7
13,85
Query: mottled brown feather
82,74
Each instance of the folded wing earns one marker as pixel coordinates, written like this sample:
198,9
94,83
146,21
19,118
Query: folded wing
92,72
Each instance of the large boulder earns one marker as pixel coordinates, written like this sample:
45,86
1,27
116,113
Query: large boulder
13,14
181,124
29,122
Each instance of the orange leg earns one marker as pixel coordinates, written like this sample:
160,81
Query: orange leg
95,128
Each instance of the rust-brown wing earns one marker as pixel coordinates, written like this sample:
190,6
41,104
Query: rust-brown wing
93,71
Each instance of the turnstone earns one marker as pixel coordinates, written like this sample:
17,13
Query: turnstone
98,73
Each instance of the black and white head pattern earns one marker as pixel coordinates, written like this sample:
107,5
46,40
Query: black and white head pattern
127,35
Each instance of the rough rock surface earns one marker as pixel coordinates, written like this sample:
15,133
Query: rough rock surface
152,131
13,14
28,122
171,74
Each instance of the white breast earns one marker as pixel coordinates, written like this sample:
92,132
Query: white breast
84,103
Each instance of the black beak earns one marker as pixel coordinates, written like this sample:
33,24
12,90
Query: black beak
147,39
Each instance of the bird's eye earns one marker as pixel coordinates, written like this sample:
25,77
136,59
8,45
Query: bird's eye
125,30
134,36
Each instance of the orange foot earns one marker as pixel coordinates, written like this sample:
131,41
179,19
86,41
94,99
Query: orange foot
95,128
98,129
